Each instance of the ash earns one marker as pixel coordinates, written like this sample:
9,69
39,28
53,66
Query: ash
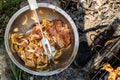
68,74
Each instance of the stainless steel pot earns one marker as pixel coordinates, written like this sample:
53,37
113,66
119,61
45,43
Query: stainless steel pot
51,13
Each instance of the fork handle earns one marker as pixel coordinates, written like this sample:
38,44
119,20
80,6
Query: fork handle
33,4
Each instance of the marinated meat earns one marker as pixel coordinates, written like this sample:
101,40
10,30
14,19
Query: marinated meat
58,25
52,31
60,41
114,74
39,52
29,46
60,32
36,34
41,60
30,63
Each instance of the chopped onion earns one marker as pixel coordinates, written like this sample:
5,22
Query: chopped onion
25,21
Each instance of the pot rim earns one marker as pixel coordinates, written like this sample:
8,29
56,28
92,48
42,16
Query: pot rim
62,12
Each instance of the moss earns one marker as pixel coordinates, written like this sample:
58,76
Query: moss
7,9
1,4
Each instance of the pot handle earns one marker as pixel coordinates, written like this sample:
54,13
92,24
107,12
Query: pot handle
33,4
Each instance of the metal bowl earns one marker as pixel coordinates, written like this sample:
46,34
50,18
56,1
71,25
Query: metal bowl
51,13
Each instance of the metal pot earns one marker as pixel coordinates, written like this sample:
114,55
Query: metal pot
51,13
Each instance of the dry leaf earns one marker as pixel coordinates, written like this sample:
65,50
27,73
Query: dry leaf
100,2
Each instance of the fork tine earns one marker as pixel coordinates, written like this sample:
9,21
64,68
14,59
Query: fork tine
48,44
44,46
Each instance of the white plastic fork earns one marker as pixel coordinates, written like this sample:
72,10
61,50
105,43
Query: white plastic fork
45,43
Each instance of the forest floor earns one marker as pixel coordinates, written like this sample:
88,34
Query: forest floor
92,17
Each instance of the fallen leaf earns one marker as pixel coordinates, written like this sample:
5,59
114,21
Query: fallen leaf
100,2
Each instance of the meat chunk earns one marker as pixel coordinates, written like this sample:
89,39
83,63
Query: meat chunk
114,74
29,46
41,60
52,31
60,32
65,35
118,71
36,32
27,35
107,67
57,24
30,63
60,41
39,52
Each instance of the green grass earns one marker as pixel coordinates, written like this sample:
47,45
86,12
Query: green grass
7,9
16,73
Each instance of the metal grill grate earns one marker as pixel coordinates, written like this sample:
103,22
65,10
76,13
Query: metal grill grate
113,59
